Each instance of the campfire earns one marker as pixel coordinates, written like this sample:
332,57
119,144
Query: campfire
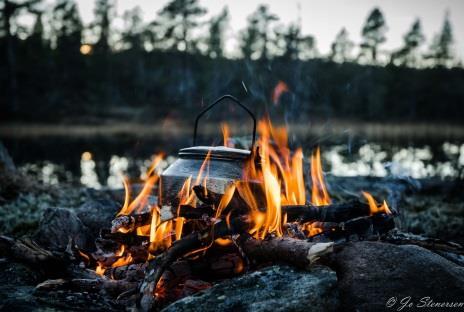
228,210
228,213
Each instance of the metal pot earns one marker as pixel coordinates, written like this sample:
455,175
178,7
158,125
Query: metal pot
225,164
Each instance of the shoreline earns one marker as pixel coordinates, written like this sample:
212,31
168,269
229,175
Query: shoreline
178,130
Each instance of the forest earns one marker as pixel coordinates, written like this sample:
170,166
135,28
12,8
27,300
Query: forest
60,69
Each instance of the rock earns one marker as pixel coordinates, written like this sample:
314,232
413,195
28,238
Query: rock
370,273
16,286
57,225
6,163
276,288
97,214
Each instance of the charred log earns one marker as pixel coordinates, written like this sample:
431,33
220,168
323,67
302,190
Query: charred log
295,252
26,251
329,213
109,286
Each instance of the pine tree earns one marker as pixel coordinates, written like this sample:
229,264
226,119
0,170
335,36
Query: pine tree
294,45
257,38
67,27
292,40
215,41
249,39
441,52
133,35
341,47
180,17
9,11
102,24
373,34
407,55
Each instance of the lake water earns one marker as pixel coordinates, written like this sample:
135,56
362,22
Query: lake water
100,162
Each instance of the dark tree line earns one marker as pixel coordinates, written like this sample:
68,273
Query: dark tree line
61,68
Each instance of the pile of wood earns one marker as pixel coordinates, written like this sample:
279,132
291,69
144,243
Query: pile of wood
138,274
208,261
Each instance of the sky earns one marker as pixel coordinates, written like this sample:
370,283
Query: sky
322,18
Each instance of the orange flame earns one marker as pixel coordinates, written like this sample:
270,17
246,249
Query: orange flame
142,198
122,261
319,194
100,270
280,88
375,208
281,180
226,135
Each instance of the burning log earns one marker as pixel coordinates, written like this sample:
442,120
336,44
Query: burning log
123,238
128,223
328,213
193,242
363,227
303,213
295,252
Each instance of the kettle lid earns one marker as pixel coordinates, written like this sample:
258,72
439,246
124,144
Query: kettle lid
216,152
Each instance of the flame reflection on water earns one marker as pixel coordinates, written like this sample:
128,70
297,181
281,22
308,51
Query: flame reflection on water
368,160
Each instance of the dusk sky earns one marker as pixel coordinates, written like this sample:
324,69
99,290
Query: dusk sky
323,18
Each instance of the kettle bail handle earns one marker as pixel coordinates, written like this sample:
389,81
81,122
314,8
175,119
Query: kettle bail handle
236,101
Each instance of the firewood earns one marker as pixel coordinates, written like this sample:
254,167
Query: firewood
186,245
130,238
434,244
295,252
328,213
363,227
303,213
98,285
25,250
186,211
128,223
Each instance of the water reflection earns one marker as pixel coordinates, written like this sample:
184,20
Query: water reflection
340,160
414,162
89,177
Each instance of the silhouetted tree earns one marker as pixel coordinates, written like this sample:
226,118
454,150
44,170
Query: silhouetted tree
407,55
341,47
215,41
67,27
102,24
291,40
249,39
258,38
9,10
134,32
179,18
373,34
294,44
441,52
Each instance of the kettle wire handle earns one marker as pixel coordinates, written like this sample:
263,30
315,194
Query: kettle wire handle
236,101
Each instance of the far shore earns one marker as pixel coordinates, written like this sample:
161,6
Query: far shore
173,129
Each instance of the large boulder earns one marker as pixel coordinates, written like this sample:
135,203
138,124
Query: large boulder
58,225
276,288
373,275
